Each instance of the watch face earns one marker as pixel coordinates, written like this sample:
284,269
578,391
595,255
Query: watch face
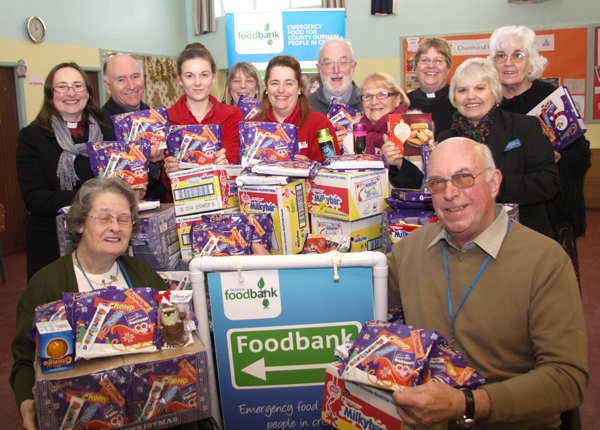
36,29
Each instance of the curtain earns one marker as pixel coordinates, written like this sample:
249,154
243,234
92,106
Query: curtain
384,7
204,16
331,4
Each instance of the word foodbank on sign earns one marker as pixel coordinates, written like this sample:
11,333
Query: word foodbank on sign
289,355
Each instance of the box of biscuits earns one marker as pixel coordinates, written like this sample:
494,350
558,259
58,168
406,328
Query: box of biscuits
411,130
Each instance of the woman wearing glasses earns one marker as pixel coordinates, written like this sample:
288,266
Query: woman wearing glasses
520,149
520,66
433,61
285,101
52,160
381,95
101,221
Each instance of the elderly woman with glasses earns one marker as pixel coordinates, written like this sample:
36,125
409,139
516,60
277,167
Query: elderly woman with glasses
52,161
381,95
432,62
520,149
520,66
101,221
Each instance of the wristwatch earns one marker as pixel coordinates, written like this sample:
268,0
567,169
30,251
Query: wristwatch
468,419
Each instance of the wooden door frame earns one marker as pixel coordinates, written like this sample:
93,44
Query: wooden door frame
20,89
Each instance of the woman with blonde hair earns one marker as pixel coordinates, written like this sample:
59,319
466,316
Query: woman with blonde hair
243,80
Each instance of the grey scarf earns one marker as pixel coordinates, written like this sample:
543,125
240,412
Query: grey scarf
66,169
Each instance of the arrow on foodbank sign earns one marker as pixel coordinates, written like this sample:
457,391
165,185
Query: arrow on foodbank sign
258,369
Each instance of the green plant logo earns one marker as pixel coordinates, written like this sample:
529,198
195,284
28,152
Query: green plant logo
267,27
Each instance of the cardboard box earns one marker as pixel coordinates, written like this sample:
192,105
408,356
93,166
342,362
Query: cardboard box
124,383
287,206
348,196
394,231
156,243
366,232
196,190
229,190
350,406
184,225
54,342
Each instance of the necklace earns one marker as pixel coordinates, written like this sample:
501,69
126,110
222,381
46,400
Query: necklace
103,283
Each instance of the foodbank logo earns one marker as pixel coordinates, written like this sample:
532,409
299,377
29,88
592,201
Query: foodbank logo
257,297
260,35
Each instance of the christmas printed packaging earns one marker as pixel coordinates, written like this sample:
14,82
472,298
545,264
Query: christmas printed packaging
126,160
157,240
113,321
267,141
150,124
559,117
119,391
194,145
249,106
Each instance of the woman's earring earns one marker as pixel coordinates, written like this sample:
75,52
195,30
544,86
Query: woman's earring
299,93
266,92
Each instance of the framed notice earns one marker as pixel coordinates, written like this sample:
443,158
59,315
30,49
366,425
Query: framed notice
565,49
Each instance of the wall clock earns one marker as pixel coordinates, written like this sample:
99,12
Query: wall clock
36,29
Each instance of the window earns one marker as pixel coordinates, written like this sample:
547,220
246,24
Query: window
231,6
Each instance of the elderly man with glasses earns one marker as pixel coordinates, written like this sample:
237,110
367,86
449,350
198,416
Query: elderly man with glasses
504,296
336,66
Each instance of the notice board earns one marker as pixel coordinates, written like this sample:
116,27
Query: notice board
565,49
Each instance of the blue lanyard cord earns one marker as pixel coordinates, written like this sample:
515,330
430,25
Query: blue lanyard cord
450,307
86,278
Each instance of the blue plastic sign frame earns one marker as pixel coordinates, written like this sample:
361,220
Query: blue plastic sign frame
275,333
256,37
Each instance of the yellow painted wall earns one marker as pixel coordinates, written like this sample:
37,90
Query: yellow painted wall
40,59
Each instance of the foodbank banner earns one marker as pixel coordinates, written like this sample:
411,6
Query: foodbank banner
274,335
257,37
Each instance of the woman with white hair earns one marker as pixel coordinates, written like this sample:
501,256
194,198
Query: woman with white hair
520,148
520,66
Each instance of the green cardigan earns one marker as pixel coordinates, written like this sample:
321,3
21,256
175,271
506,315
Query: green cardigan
46,286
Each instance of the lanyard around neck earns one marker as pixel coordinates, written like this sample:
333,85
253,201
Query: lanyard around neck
450,307
87,279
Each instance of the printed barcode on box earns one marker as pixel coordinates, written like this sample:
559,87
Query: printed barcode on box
194,192
374,244
301,206
185,238
174,247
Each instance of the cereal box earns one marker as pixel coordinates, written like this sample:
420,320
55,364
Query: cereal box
560,118
348,196
365,232
287,206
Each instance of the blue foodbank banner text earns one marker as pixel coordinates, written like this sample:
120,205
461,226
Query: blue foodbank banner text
257,37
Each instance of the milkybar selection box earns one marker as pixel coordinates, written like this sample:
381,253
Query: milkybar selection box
348,196
287,206
366,233
196,190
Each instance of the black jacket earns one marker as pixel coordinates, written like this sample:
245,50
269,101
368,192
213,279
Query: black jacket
529,174
156,189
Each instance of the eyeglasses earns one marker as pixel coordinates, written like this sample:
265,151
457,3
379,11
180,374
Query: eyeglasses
107,219
344,63
460,180
516,57
427,61
381,96
78,88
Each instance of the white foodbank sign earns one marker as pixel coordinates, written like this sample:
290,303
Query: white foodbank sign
258,297
258,33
